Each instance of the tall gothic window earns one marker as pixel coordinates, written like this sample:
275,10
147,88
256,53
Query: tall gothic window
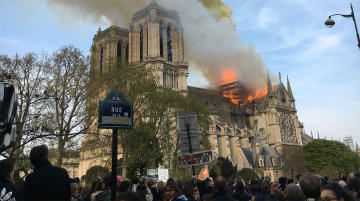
169,47
141,44
161,40
127,52
119,50
101,58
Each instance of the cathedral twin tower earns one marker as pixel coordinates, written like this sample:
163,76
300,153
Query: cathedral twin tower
155,40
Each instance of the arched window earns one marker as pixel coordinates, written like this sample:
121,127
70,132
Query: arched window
169,47
127,52
141,44
119,50
101,58
161,40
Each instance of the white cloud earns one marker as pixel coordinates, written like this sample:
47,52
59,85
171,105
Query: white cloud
266,18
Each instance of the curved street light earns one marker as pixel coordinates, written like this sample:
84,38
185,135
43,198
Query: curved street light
330,22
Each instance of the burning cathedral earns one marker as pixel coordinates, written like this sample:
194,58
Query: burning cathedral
249,127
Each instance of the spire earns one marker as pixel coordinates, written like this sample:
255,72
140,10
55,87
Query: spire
289,88
99,30
269,86
280,77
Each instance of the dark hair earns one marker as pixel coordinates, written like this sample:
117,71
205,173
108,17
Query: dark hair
39,155
173,185
6,167
290,181
107,181
338,191
130,196
86,192
189,191
98,186
354,184
220,184
298,177
125,186
357,175
310,185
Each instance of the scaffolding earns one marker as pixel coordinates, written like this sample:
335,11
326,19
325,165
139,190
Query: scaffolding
348,141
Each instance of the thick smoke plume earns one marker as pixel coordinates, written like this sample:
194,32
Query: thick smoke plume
211,41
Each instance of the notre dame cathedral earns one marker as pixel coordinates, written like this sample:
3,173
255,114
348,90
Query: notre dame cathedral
251,135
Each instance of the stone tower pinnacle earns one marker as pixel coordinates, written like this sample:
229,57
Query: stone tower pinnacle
269,86
357,149
289,88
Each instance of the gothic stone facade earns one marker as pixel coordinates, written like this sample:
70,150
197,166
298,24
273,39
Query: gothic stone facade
249,136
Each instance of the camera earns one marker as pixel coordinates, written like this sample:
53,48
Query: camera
9,96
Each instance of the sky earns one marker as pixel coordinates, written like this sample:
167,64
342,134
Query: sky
323,64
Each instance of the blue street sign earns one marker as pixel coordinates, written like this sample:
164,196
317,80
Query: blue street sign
115,114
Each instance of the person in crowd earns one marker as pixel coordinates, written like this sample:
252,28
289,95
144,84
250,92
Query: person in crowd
7,181
207,197
150,183
46,182
265,189
342,181
196,193
240,193
232,184
125,186
189,191
254,189
97,190
334,192
293,192
220,188
357,175
354,187
290,181
161,189
105,195
207,186
85,194
74,192
310,186
130,196
119,179
172,192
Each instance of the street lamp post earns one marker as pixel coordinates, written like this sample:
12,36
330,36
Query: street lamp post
330,22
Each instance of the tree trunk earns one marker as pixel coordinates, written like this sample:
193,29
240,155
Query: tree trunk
61,148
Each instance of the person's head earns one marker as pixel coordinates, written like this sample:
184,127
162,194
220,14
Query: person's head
130,196
86,192
107,182
39,155
298,176
220,185
150,181
310,185
334,192
125,186
354,185
293,193
265,186
349,177
160,185
7,170
99,186
74,190
290,181
196,193
171,190
189,191
207,196
239,187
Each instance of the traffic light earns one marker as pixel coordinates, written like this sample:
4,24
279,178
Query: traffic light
8,105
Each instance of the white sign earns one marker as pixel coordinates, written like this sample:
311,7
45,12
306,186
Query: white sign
163,175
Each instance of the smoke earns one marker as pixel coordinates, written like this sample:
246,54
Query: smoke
211,41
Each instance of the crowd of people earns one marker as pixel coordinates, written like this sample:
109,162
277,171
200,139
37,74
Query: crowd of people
48,182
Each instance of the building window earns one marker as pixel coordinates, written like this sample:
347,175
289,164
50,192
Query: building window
169,47
161,40
101,58
119,50
141,44
274,161
261,161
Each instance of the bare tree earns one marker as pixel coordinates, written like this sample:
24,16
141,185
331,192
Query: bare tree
67,72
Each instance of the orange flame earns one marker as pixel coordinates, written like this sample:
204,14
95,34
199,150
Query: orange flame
228,76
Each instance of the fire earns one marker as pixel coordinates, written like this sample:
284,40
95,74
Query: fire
235,92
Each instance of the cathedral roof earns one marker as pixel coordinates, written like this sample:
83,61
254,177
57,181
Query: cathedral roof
162,12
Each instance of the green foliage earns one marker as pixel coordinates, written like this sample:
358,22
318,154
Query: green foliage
94,173
223,167
330,158
248,174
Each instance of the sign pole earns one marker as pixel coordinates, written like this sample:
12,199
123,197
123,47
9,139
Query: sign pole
190,147
114,163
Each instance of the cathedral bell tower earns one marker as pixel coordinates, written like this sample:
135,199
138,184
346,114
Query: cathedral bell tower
156,41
